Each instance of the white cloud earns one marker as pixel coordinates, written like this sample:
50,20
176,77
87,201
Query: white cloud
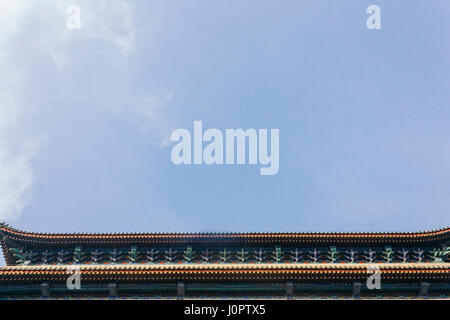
44,22
16,152
16,149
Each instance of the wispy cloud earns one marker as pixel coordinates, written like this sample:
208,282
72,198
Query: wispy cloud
44,22
17,148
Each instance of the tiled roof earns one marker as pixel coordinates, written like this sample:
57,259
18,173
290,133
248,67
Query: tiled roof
264,237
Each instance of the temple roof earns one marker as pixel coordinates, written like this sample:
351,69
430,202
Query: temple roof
253,260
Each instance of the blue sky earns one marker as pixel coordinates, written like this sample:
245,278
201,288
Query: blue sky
86,115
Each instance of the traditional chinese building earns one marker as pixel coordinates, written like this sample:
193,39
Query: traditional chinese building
297,265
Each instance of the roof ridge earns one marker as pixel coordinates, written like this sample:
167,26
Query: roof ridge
6,228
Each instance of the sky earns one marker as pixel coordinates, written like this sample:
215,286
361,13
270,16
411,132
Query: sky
86,115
